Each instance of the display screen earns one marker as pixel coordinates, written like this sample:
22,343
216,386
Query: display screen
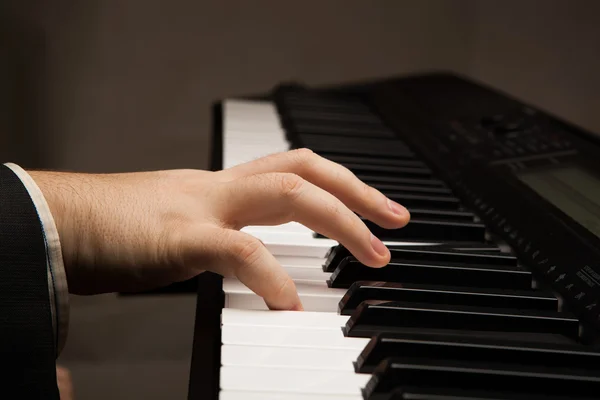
573,190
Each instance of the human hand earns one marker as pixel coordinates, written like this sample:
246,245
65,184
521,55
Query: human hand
135,231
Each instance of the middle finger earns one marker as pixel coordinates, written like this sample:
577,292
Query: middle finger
332,177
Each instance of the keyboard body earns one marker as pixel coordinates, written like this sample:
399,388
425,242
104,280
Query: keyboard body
503,249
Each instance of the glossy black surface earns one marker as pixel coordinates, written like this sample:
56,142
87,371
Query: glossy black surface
465,253
426,293
484,350
432,372
424,393
350,270
373,317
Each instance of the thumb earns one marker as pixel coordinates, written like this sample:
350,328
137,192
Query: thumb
233,253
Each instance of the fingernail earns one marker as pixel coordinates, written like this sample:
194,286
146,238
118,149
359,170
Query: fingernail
397,208
378,246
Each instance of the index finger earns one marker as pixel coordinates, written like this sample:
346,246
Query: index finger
332,177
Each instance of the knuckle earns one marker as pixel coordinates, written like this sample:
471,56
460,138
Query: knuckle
340,173
332,210
344,219
285,286
302,158
367,191
352,223
302,155
290,186
248,251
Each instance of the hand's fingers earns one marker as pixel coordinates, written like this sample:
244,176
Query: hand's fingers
332,177
276,198
233,253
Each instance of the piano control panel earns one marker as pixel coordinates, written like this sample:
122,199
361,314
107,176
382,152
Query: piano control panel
520,134
492,291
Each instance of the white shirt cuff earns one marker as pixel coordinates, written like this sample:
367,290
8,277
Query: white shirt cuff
57,278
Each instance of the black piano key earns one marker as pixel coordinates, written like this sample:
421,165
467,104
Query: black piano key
429,393
402,187
491,248
373,316
372,178
452,295
391,171
302,114
430,201
441,215
453,256
408,187
420,229
395,373
399,162
319,103
350,270
443,254
458,348
389,189
353,146
342,131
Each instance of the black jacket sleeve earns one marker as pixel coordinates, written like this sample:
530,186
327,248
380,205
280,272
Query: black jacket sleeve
27,342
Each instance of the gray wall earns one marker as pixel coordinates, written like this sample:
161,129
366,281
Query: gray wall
131,82
546,52
22,57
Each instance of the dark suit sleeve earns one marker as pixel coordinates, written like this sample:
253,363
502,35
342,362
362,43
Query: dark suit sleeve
27,340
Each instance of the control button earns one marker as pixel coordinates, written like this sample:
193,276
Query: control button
508,151
533,148
509,127
491,120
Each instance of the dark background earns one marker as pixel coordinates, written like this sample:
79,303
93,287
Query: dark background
116,85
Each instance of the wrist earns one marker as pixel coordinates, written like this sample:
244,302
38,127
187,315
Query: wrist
63,197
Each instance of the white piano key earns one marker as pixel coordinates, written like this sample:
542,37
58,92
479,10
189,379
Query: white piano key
251,130
289,227
294,244
315,296
243,301
306,273
288,319
298,244
292,381
289,357
298,261
280,336
304,287
243,395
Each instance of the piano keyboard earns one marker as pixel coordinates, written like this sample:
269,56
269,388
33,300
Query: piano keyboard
455,315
